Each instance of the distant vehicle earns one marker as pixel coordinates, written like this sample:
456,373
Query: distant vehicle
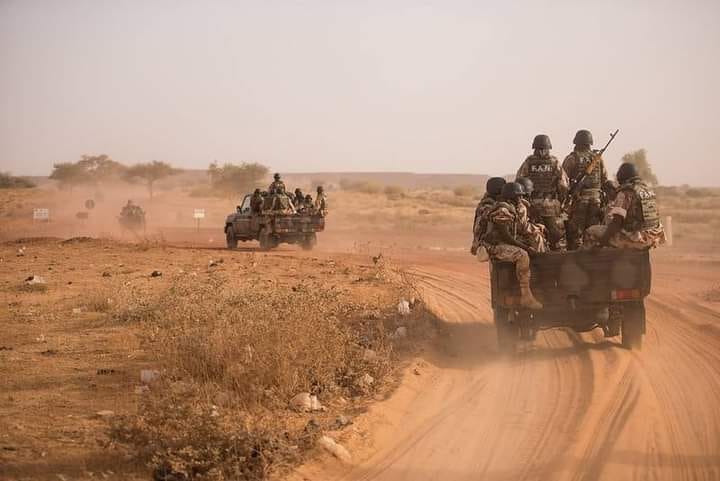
132,217
272,227
581,290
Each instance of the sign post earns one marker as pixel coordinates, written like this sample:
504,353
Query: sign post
197,215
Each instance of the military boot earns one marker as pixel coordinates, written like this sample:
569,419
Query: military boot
527,299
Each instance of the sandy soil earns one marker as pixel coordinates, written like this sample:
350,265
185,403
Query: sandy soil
572,406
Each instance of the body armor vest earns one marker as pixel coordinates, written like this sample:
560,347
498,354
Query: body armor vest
593,180
643,213
543,173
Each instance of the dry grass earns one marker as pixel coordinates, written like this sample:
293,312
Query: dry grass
234,356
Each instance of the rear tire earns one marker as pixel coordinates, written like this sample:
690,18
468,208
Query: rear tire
507,333
230,239
309,242
633,325
266,241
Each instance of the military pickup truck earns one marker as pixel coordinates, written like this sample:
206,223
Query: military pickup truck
272,227
581,290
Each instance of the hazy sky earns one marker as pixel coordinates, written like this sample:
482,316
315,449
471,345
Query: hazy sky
444,86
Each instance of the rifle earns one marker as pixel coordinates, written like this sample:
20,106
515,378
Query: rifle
577,183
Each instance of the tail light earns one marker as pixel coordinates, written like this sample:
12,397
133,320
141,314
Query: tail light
625,294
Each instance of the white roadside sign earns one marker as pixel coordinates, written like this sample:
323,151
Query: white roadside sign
41,214
199,214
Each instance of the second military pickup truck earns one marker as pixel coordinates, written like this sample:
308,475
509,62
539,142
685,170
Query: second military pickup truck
581,290
271,227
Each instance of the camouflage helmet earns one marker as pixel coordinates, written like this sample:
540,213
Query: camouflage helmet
626,172
526,183
320,189
276,176
583,137
494,185
541,142
298,191
512,190
257,192
308,198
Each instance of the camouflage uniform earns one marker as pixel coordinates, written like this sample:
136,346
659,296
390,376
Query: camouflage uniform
636,204
504,213
321,204
551,186
586,209
480,224
531,233
276,187
256,203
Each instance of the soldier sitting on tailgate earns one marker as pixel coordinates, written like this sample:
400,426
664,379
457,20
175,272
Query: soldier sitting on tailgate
493,189
504,244
550,188
533,234
586,208
635,220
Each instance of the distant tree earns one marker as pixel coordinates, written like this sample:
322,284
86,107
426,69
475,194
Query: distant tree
90,169
8,181
101,168
69,174
231,179
639,159
150,172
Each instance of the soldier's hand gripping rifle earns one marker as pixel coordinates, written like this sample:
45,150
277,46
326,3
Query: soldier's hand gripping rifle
576,184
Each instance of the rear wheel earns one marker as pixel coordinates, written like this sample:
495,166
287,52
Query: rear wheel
309,242
633,325
230,239
266,241
507,332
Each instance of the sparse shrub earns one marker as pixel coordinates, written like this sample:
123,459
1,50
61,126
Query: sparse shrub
8,181
365,187
394,190
465,191
697,192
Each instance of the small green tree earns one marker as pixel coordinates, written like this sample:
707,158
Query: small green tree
69,174
150,172
231,179
639,159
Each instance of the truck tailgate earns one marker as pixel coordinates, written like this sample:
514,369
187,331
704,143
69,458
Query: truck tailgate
592,276
298,223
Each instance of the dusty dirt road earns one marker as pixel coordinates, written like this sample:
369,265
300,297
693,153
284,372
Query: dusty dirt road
570,407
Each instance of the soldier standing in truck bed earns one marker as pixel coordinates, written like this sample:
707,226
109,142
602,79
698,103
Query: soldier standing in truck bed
635,220
277,183
550,188
321,202
586,207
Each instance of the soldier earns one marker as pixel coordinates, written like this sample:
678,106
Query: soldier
299,198
503,243
532,233
610,190
635,220
308,205
493,189
277,183
256,202
586,207
321,202
550,188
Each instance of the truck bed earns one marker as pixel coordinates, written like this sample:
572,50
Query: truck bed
566,279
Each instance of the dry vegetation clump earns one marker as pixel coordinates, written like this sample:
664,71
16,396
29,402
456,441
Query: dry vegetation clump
8,181
365,187
233,357
466,191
